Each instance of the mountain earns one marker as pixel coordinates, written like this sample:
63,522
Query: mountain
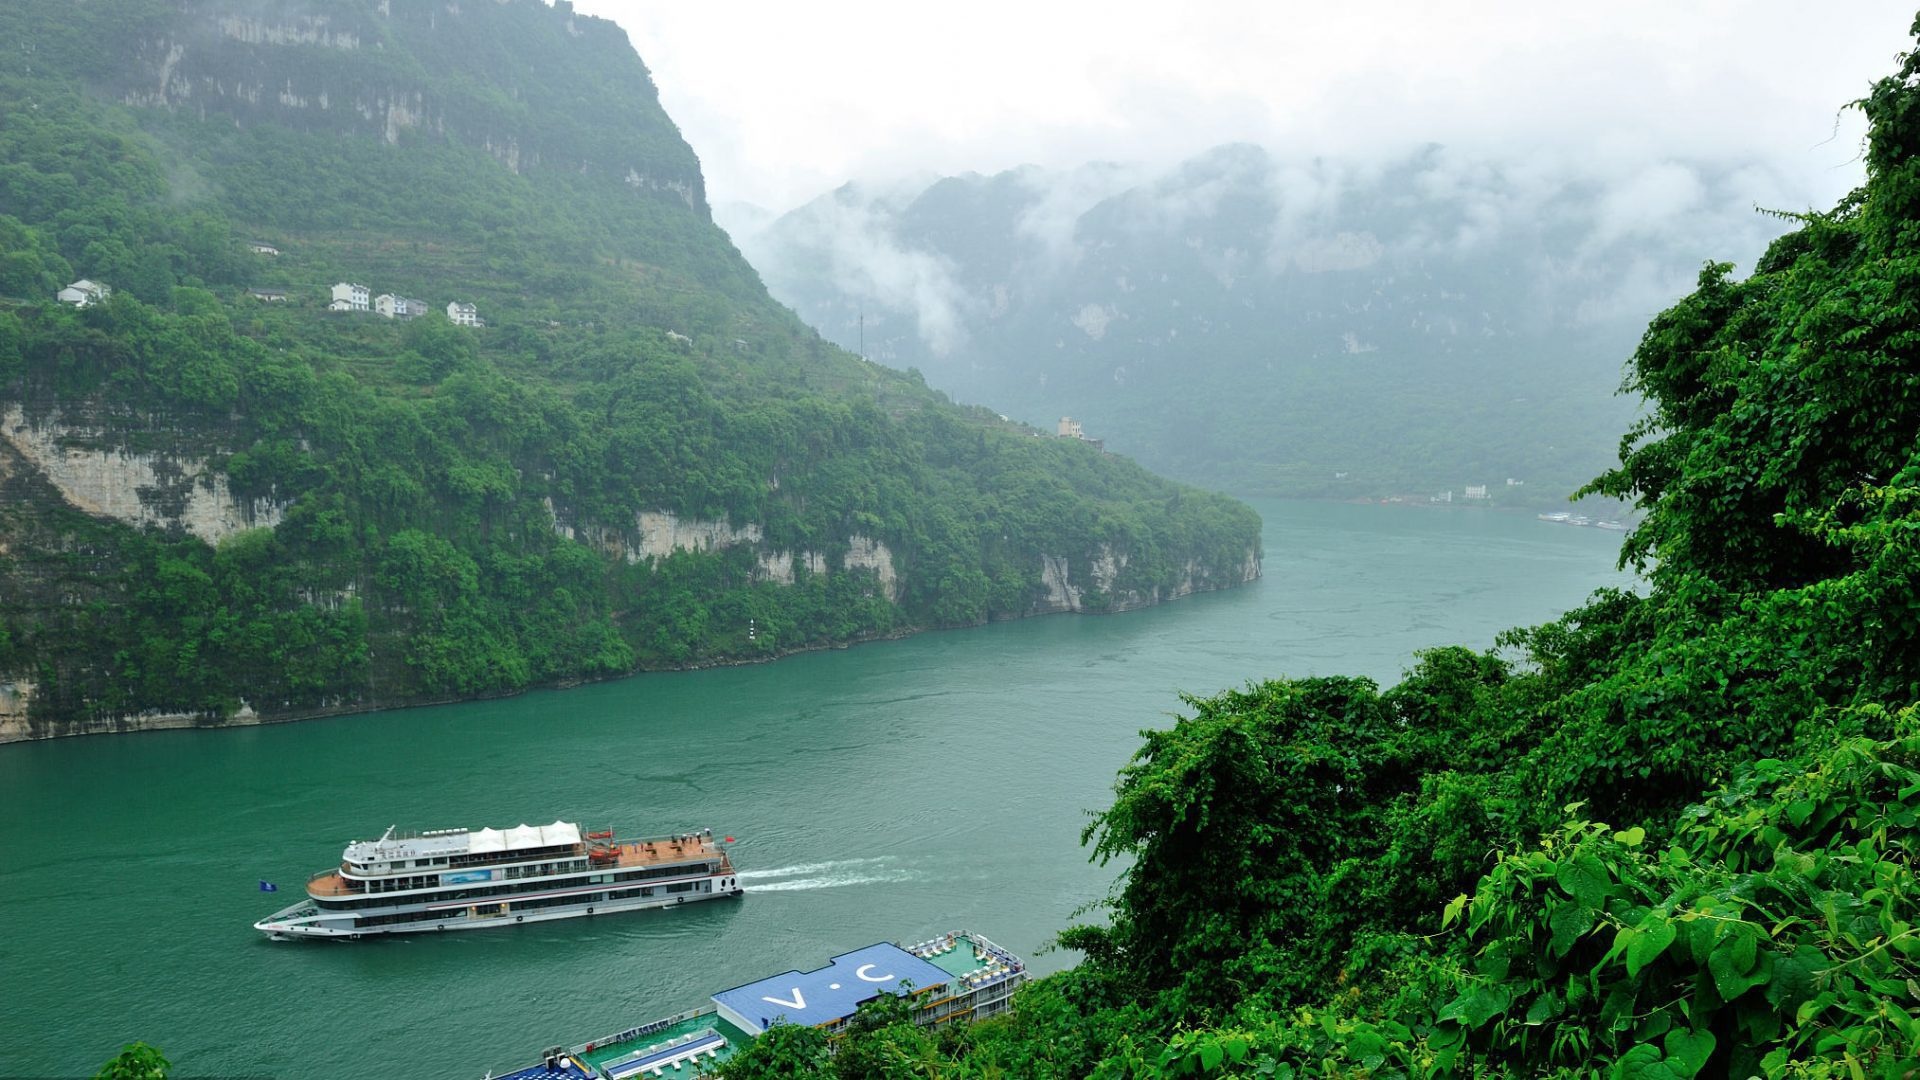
221,500
1270,325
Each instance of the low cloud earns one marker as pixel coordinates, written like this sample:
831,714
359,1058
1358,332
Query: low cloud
1570,247
848,238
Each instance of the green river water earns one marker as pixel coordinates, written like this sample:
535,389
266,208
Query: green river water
884,792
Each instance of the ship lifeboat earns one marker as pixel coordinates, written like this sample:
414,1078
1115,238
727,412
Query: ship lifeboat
607,835
603,856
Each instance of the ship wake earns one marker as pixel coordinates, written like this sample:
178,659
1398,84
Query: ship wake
825,875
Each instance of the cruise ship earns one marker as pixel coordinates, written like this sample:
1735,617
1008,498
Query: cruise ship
462,879
956,976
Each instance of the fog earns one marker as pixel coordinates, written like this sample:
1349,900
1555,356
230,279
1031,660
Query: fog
785,101
1512,109
1616,248
1149,217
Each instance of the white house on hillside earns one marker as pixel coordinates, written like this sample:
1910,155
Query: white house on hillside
84,292
463,314
398,307
350,297
259,248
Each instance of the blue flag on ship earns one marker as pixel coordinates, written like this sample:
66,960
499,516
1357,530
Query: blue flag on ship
268,886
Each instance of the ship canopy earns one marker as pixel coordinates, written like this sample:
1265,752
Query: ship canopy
464,842
484,841
522,837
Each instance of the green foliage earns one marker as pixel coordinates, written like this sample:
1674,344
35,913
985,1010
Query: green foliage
785,1050
137,1061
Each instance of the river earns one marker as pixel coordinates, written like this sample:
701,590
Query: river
884,792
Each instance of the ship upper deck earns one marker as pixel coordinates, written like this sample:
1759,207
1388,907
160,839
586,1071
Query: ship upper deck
625,855
699,1039
693,1044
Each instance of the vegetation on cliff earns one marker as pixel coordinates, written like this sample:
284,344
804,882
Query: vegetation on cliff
440,510
1669,835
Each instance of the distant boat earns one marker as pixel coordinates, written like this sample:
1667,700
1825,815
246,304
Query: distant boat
1580,519
455,879
1611,526
1558,517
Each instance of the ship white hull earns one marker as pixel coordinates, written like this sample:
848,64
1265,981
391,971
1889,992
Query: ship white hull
301,921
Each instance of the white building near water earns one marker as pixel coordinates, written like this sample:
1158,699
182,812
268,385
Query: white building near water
463,314
84,292
1476,491
350,297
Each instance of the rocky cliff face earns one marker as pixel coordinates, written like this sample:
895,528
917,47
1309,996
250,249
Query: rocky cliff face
1100,586
332,67
657,534
141,489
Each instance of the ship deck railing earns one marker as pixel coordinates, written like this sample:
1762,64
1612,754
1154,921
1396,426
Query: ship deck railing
642,1030
669,1055
631,853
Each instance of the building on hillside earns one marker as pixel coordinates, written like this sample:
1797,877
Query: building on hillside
679,338
259,248
1476,491
463,314
350,297
394,306
1070,428
270,296
84,292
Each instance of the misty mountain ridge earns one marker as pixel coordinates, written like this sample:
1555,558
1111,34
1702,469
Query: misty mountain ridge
1282,326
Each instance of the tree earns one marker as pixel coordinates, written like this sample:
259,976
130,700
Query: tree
781,1052
136,1061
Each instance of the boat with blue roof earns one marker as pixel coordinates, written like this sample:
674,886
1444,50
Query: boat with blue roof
952,977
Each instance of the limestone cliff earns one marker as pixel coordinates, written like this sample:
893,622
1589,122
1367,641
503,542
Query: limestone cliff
342,67
1106,589
140,489
657,534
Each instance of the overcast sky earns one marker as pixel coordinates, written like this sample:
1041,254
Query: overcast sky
784,100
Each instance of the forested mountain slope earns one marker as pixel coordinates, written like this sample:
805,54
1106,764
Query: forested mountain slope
1269,324
1670,835
220,499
